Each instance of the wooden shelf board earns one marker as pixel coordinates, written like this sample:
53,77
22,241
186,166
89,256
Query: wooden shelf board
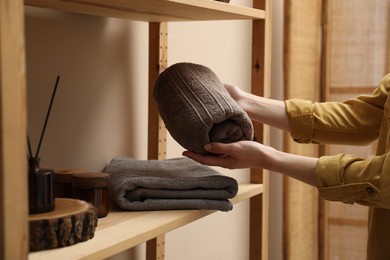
154,10
123,230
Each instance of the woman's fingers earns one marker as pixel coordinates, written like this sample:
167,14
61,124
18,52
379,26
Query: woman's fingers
219,155
218,148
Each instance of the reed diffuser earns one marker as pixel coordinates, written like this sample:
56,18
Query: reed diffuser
40,181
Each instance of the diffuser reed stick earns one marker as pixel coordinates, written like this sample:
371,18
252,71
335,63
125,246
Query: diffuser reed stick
47,117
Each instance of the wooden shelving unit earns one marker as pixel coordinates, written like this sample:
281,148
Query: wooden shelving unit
140,227
122,230
154,10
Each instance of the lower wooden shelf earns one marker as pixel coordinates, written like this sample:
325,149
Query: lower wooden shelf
122,230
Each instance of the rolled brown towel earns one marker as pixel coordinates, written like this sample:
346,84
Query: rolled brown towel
197,109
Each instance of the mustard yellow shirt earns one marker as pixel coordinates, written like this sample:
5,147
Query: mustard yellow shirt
345,177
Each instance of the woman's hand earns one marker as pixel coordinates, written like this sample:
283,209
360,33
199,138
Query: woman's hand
264,110
242,154
251,154
241,97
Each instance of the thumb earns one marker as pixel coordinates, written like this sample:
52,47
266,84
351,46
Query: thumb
217,148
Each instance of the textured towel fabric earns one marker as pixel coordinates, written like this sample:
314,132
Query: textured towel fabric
171,184
197,109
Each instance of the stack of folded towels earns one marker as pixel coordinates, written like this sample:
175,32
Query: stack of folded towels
172,184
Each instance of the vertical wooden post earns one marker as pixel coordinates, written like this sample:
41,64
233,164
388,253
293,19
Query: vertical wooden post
13,152
301,57
323,207
261,76
157,141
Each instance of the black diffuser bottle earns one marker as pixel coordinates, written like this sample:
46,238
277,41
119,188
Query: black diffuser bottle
40,188
40,181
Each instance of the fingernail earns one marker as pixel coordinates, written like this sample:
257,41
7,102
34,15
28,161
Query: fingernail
207,147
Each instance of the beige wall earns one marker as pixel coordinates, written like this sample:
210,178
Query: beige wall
101,106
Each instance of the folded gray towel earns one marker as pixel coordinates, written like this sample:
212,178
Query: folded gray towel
197,109
178,183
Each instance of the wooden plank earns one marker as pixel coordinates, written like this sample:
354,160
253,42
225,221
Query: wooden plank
261,76
13,159
155,248
302,67
157,141
323,206
154,10
163,64
123,229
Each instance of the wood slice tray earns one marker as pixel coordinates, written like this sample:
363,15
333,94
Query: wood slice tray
71,221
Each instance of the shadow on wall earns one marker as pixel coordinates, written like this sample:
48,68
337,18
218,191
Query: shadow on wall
92,113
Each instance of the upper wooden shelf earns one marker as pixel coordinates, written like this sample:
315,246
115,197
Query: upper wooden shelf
155,10
122,230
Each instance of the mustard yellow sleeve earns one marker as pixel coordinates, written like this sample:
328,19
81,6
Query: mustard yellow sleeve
351,179
351,122
354,121
301,119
